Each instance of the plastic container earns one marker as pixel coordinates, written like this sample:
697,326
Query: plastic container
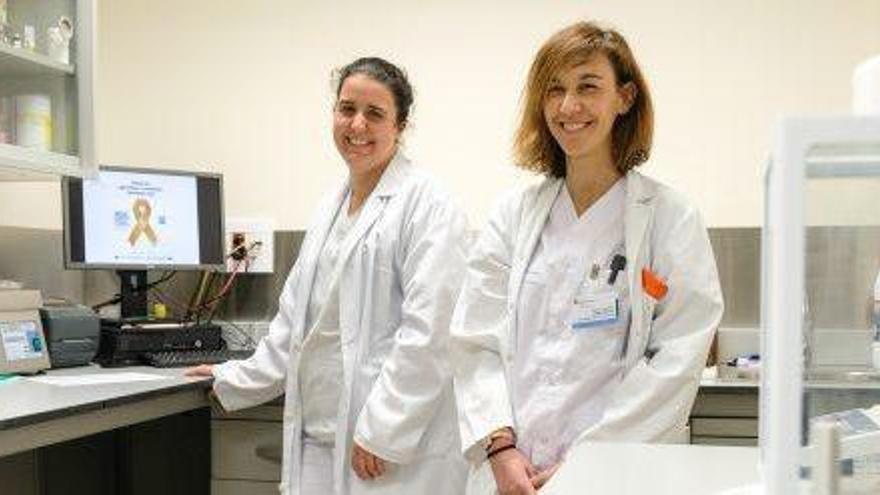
33,121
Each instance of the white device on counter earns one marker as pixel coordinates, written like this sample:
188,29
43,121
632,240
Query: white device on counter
22,343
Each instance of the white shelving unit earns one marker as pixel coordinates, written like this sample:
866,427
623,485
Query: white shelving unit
806,148
70,88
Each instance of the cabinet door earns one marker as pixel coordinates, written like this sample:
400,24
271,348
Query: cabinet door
18,473
246,450
233,487
168,456
82,465
46,88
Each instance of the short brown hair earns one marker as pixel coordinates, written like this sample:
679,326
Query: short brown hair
534,148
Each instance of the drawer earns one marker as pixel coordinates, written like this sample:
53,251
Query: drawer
724,427
725,441
246,450
726,405
229,487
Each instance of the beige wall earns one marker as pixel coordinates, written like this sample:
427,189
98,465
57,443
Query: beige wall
244,88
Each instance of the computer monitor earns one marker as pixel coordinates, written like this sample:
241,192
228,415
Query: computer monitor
133,220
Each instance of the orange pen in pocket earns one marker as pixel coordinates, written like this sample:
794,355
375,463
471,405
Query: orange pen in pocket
653,285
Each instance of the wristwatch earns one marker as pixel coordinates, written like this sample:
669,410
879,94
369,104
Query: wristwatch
505,432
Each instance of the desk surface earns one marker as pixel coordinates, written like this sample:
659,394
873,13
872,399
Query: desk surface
24,401
637,469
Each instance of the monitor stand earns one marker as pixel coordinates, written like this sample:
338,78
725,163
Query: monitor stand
133,293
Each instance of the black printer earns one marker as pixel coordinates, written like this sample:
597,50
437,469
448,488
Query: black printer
72,334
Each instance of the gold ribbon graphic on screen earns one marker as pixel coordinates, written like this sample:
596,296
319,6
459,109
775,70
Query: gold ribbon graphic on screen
142,211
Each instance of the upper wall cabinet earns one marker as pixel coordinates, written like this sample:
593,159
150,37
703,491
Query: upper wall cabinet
47,104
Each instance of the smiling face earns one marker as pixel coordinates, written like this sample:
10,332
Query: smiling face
581,105
365,127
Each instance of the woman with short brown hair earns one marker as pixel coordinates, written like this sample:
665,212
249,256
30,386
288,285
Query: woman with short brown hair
534,146
591,298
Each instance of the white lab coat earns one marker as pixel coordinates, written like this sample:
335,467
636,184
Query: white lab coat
667,343
399,270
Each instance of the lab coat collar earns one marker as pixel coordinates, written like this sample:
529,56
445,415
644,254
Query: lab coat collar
639,212
389,184
392,178
535,218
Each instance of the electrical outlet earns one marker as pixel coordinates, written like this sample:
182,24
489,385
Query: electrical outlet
249,243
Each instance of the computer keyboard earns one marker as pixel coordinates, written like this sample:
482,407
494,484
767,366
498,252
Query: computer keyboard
176,359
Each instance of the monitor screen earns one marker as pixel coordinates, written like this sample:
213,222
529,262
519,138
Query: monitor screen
139,219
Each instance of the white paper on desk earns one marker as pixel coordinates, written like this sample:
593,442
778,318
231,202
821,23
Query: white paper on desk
102,379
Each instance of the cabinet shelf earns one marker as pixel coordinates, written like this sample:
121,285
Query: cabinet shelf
30,165
21,62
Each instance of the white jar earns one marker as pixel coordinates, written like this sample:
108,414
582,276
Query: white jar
866,87
33,121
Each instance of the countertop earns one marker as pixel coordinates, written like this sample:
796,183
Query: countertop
637,469
24,401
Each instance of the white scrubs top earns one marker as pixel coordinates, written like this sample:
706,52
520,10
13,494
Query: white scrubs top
571,326
321,365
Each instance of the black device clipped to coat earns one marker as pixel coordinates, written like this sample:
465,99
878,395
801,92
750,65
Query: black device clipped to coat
618,263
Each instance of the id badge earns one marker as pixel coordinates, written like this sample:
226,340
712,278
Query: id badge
594,309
